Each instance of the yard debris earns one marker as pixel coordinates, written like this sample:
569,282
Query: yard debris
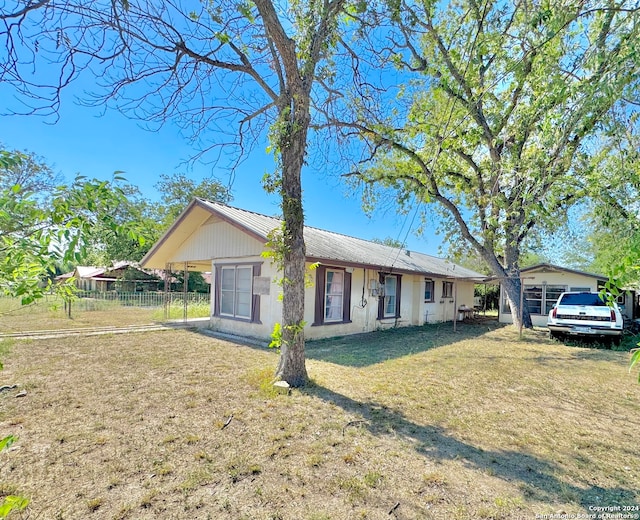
227,422
283,387
353,423
21,394
393,509
4,388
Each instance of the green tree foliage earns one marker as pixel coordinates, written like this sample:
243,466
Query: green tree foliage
34,238
177,190
500,110
388,241
149,218
613,219
31,174
195,282
107,245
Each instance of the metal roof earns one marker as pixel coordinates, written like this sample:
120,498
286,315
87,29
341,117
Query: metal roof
89,271
556,268
327,246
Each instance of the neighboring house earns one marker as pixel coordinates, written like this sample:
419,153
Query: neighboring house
358,285
123,276
543,284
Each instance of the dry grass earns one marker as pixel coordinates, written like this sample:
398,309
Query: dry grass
49,314
449,426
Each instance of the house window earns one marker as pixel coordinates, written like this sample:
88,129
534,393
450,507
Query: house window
540,298
390,289
333,296
447,289
533,295
233,297
235,291
389,303
551,296
428,290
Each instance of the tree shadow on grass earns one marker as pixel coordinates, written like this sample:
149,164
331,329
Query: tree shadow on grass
538,477
370,348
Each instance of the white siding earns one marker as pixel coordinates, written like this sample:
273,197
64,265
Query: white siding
217,240
444,309
413,309
270,306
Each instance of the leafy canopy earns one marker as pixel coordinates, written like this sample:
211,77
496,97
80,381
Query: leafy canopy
35,238
498,112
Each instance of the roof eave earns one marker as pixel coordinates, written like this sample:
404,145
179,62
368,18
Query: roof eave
560,268
389,269
196,202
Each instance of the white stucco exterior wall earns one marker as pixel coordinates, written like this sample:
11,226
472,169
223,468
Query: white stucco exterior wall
363,310
218,243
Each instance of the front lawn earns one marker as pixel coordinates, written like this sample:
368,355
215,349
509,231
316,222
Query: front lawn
407,424
50,314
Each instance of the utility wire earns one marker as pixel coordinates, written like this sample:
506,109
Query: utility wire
438,151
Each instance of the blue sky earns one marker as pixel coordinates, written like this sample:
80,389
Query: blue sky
95,144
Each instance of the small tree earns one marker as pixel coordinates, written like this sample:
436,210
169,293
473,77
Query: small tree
31,174
36,238
107,246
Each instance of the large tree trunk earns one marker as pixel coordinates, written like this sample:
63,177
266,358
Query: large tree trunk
519,312
512,283
291,367
509,278
296,76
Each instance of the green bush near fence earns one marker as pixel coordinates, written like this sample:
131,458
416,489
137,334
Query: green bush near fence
176,311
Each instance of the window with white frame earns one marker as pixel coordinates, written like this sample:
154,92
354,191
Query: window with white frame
334,295
390,295
235,291
540,298
429,286
551,295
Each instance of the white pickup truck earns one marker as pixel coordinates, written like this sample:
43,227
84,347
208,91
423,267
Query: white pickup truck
585,314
